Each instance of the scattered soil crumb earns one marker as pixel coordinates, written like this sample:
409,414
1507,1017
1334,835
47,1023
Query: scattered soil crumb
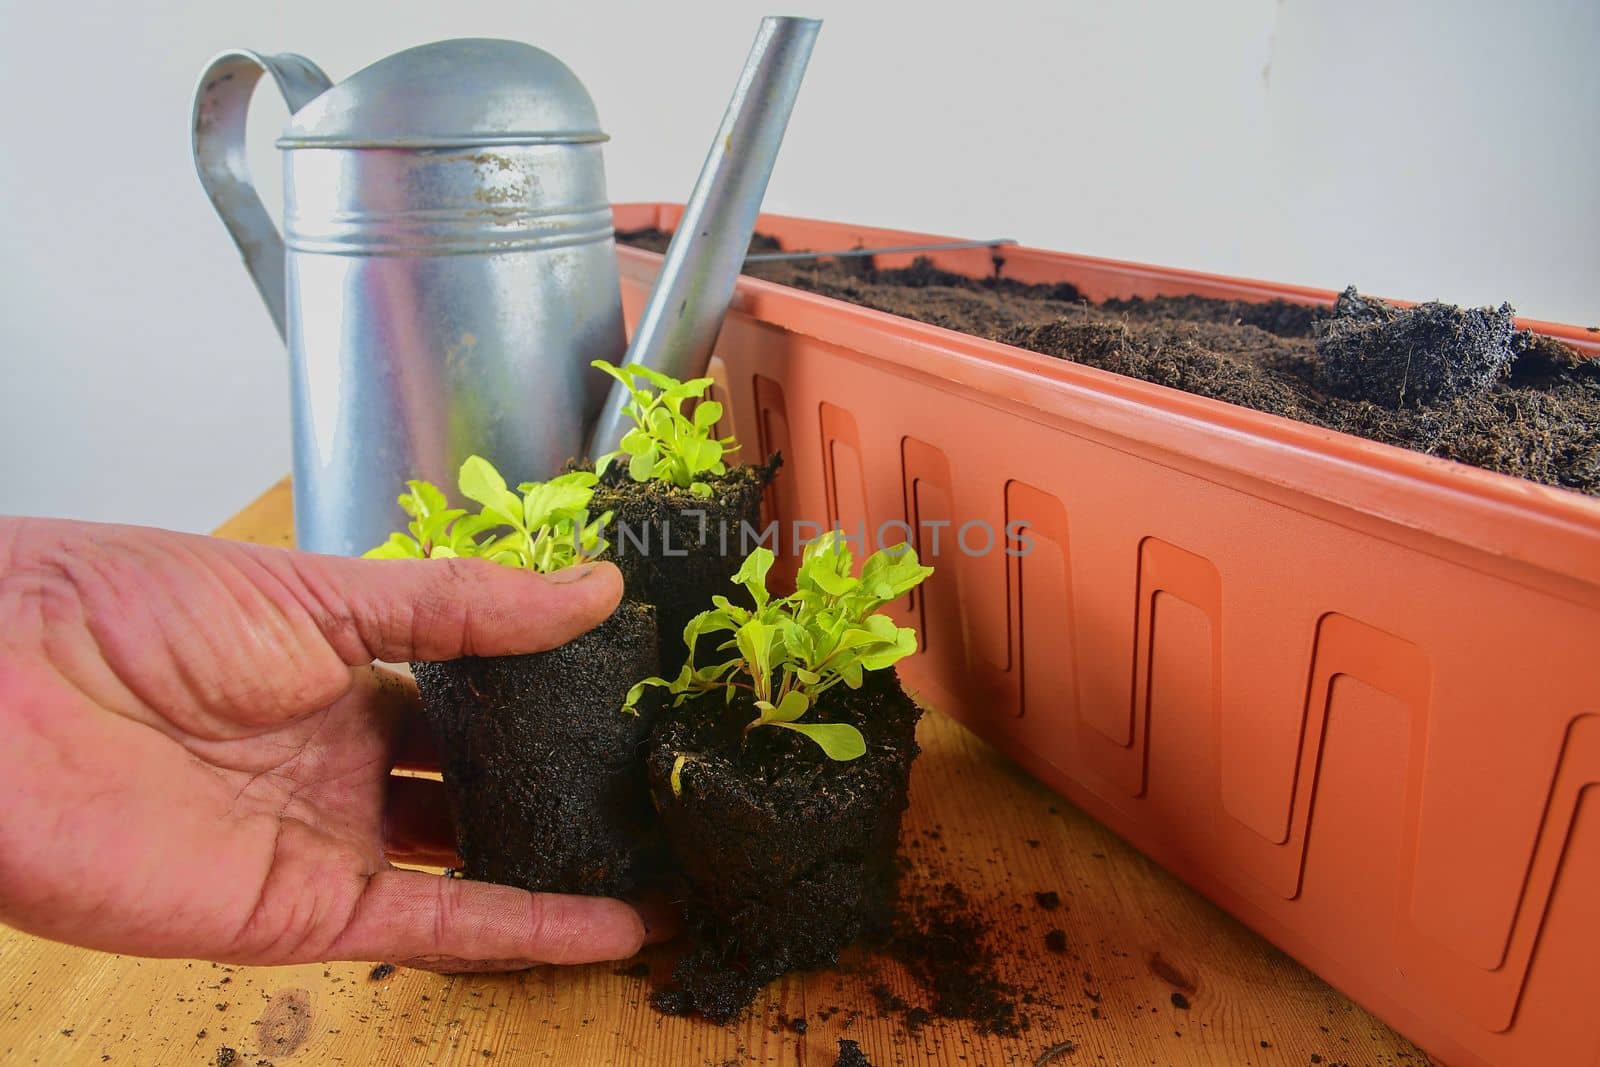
1049,900
380,972
226,1056
1180,1001
945,941
889,1003
1056,941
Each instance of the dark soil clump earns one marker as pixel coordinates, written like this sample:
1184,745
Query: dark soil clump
676,550
1049,900
788,855
1421,355
544,772
1443,381
850,1055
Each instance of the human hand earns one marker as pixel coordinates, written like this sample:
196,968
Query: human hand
195,751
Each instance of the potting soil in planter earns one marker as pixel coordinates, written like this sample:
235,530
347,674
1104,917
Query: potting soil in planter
788,855
545,776
1450,382
677,550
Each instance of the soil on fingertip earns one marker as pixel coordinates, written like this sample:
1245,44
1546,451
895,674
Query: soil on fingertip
1455,383
544,772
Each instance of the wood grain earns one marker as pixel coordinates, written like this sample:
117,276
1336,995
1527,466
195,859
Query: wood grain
1135,937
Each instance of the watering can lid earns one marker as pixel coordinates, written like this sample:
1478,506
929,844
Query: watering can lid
472,91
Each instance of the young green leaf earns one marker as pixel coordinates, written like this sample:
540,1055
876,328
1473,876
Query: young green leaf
664,444
840,741
636,694
544,526
706,414
482,484
643,464
754,640
787,652
399,546
752,573
425,498
793,705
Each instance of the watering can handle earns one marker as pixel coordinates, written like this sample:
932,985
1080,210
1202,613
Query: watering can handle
221,102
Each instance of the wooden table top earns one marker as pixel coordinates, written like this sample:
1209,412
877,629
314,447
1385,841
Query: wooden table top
1153,974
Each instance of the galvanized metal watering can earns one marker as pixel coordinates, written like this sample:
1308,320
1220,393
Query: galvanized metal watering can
446,272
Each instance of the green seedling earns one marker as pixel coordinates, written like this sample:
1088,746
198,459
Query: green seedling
666,445
543,526
786,652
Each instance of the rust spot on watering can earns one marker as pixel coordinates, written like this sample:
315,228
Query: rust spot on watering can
285,1024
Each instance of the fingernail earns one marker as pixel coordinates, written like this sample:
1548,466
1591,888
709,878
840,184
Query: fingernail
568,575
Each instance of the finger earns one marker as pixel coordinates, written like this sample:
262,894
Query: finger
416,823
437,609
418,829
427,920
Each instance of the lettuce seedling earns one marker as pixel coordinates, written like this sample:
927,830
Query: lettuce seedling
543,526
666,445
786,652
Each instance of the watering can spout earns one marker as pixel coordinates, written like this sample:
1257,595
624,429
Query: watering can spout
681,320
221,102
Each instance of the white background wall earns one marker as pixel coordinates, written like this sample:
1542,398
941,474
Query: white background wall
1422,149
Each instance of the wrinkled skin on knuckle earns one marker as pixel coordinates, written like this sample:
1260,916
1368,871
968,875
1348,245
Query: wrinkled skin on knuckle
443,613
36,580
330,613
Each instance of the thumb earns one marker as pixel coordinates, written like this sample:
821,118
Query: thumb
437,923
436,609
